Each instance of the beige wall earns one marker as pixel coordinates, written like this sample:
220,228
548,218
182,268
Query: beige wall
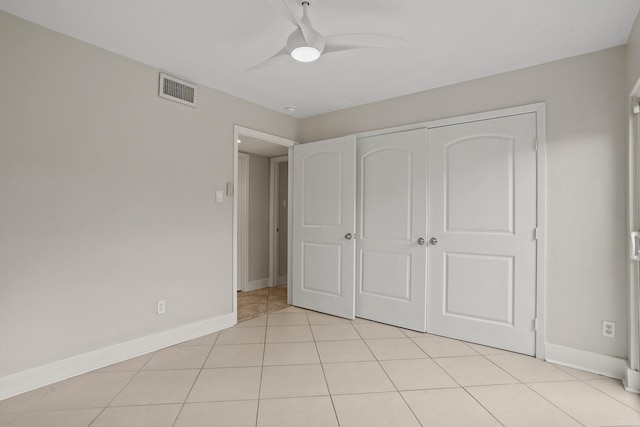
283,211
108,205
586,175
258,218
107,196
633,56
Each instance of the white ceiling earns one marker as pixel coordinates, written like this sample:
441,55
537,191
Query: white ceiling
211,42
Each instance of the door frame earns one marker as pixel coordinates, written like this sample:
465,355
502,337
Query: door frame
541,180
631,378
243,221
239,131
274,216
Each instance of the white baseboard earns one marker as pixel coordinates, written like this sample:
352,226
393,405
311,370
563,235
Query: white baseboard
631,380
254,285
39,376
282,279
597,363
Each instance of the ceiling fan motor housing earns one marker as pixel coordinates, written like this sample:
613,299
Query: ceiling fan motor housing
296,40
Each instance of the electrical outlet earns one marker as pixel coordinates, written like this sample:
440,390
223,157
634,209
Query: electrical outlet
608,328
161,307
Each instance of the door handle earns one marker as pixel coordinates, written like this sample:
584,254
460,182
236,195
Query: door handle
348,236
421,241
433,241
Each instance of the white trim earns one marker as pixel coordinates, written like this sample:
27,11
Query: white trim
243,220
631,380
254,285
274,139
39,376
633,224
234,229
540,110
597,363
237,132
290,227
274,217
282,279
541,228
487,115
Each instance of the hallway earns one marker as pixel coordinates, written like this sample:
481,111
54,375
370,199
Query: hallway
262,301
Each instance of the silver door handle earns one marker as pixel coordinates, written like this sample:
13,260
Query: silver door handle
433,241
421,241
348,236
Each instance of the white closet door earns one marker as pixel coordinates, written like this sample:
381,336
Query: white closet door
482,212
323,214
391,257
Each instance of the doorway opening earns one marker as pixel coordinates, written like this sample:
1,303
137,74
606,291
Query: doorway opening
261,222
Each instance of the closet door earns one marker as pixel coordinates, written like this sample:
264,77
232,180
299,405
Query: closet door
391,250
482,221
323,214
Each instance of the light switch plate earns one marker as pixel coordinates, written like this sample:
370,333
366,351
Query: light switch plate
635,246
219,196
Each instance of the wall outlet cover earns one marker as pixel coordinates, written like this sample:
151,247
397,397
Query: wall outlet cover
608,329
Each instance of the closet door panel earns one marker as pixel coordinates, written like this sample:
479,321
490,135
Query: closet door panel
323,217
390,277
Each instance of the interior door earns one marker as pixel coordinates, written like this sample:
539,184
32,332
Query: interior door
391,211
323,214
482,220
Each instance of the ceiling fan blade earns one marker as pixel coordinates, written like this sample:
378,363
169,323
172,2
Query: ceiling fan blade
270,61
285,9
340,42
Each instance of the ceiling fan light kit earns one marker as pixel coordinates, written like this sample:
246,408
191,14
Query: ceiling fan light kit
305,44
305,54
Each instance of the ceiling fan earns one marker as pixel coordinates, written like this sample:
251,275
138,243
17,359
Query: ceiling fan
305,44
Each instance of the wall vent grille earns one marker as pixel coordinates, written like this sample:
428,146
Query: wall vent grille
177,90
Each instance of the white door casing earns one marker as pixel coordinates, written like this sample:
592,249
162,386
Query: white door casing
243,221
391,212
323,206
482,212
232,190
276,238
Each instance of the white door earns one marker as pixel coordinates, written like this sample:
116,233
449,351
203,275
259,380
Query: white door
482,212
390,272
323,248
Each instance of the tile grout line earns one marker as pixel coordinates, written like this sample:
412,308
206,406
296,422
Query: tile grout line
395,386
553,404
264,351
123,387
501,368
324,375
389,378
30,407
607,394
449,375
483,407
195,380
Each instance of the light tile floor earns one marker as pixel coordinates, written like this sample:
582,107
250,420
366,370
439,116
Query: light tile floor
301,368
261,301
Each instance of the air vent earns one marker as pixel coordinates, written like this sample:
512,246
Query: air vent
177,90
